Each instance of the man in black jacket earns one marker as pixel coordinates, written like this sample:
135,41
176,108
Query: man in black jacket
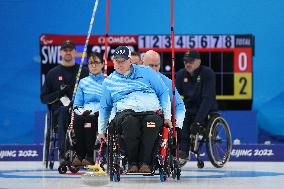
197,84
58,89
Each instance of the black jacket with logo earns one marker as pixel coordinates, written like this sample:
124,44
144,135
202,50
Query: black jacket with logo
199,91
57,76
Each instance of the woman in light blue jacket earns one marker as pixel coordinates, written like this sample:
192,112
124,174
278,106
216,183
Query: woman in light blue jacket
86,107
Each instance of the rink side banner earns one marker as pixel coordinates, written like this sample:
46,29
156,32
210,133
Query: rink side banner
238,153
21,152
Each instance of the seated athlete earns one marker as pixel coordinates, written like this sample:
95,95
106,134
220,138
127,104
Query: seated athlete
131,89
86,107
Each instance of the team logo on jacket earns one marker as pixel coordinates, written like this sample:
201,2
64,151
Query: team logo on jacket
151,124
198,78
185,80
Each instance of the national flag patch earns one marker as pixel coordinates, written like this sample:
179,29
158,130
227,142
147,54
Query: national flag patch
60,78
87,125
185,80
151,124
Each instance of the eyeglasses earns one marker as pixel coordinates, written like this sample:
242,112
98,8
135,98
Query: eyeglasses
94,63
154,65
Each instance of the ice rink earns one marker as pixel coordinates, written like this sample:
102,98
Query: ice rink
235,175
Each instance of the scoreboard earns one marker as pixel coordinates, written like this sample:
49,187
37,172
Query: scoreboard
230,56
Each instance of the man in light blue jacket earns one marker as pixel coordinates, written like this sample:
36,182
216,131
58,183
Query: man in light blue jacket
152,59
133,89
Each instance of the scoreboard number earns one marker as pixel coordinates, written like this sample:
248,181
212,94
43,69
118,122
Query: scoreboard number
166,41
215,41
156,41
143,41
187,41
242,83
243,61
180,41
192,41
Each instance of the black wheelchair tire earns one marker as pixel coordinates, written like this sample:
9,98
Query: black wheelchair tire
210,143
47,138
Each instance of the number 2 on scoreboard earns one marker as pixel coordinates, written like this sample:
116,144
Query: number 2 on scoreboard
243,85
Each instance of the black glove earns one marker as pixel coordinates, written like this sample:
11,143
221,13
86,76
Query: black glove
71,104
63,89
86,112
197,127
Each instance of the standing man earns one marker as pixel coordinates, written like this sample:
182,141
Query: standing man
58,89
197,84
152,59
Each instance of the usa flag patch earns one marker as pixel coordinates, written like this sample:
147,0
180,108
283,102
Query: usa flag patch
87,125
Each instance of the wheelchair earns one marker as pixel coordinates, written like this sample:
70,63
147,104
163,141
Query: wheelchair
164,161
50,140
70,152
217,137
50,149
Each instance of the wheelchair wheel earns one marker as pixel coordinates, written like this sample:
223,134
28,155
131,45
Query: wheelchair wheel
200,164
176,170
62,169
116,177
163,176
113,157
73,169
51,165
110,157
47,140
219,144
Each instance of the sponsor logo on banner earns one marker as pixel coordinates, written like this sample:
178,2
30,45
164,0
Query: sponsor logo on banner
45,41
254,153
20,152
8,153
118,40
238,153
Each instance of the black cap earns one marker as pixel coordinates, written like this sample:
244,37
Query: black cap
68,44
190,55
122,52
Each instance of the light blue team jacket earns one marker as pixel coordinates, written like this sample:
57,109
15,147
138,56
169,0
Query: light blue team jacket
142,90
180,108
89,92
